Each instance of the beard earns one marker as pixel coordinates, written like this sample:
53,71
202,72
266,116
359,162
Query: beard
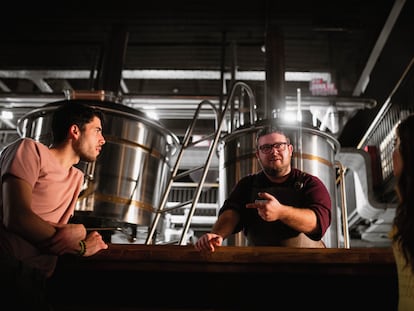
274,171
87,158
271,171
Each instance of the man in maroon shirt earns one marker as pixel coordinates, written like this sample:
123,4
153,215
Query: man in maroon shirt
278,206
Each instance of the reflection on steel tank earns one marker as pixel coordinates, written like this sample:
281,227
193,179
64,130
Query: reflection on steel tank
314,153
125,183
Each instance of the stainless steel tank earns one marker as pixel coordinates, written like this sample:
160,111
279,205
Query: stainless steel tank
314,153
126,181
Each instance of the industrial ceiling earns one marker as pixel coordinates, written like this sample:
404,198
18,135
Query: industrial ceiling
172,54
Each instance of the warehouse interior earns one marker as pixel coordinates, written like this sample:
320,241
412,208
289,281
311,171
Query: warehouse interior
346,68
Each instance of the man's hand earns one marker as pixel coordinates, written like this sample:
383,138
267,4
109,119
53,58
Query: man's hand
208,242
94,243
66,239
268,207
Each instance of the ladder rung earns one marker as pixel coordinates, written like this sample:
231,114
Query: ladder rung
172,242
201,139
195,184
179,205
188,172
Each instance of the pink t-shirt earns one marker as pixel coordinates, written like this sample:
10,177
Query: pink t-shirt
54,195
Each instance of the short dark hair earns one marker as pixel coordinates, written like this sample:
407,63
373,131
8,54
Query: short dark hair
71,112
269,130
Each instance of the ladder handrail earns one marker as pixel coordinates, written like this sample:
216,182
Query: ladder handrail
344,209
220,117
212,148
185,144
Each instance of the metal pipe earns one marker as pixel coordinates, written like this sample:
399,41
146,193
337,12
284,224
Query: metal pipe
344,209
275,72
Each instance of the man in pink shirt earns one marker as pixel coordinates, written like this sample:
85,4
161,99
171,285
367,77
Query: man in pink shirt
39,189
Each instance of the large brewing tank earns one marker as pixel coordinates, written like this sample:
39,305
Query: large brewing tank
314,153
125,183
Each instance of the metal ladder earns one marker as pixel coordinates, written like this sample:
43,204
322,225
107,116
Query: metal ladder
214,138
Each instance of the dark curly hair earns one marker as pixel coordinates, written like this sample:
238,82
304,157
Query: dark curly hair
404,218
72,112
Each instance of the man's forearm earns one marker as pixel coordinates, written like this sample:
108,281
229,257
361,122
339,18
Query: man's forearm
226,223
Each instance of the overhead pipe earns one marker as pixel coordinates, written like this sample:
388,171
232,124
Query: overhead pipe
110,72
275,73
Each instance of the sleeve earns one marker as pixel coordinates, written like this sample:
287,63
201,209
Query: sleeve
319,200
237,200
22,160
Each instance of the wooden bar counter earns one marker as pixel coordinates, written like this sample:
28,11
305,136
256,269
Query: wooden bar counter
172,277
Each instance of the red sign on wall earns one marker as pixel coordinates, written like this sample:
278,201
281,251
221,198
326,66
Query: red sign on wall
320,87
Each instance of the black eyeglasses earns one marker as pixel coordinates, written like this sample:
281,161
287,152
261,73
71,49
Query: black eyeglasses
267,148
